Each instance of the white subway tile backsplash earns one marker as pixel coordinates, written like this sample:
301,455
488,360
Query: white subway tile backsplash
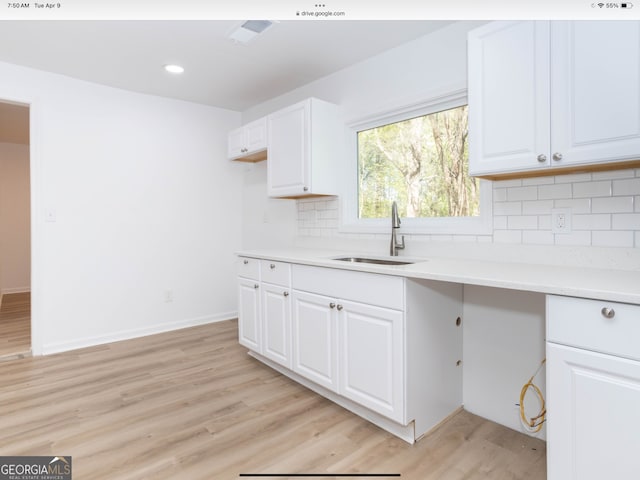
508,183
507,236
626,187
610,175
551,192
507,208
605,209
538,181
537,207
499,194
522,193
591,222
537,237
573,178
577,205
625,221
499,222
522,222
544,222
592,189
612,204
612,239
576,238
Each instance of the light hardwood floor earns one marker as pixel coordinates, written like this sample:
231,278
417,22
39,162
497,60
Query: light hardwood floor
15,324
191,404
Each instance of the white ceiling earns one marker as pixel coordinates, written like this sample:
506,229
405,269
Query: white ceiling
130,54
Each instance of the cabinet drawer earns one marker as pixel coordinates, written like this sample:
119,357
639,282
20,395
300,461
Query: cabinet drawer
278,273
248,268
597,325
370,288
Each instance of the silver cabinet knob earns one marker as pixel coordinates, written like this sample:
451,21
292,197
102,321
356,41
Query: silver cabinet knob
557,156
285,293
256,286
332,305
339,307
272,266
246,262
306,189
608,312
542,158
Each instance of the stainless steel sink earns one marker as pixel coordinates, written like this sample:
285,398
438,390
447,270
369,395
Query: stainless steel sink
377,261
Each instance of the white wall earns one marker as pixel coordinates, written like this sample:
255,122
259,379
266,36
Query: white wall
144,202
15,258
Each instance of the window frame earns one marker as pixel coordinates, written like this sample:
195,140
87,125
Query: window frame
349,221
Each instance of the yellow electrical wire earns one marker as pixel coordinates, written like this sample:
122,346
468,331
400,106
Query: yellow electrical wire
534,423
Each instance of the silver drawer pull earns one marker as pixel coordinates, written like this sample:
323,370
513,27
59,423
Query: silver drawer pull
286,294
332,305
608,312
256,286
339,307
272,266
246,262
542,158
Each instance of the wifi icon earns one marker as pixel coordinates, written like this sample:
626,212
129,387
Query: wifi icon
601,5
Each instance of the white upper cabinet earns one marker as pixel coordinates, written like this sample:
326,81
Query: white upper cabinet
595,100
547,95
305,144
508,97
249,142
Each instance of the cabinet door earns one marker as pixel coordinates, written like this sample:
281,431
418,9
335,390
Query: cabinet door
371,357
595,73
508,94
249,314
314,338
289,150
256,135
594,419
276,324
235,143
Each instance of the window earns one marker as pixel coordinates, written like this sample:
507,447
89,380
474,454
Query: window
416,156
421,163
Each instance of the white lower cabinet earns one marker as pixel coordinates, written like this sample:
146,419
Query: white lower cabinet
593,387
276,323
314,339
264,308
371,357
352,349
249,317
385,347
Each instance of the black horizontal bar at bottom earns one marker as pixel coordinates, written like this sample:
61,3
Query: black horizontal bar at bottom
324,475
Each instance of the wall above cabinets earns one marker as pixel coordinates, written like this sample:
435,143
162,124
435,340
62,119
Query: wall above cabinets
547,98
304,144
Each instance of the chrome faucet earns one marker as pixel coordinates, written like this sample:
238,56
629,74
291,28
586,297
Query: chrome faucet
395,225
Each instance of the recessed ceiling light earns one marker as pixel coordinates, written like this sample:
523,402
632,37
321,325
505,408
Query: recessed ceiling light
174,68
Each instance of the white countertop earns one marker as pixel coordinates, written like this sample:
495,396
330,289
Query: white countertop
612,285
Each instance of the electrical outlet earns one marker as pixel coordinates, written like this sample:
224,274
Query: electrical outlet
561,220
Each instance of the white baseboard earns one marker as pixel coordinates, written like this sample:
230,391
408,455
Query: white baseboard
48,349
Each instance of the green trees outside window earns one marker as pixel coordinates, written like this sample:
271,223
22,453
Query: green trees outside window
421,163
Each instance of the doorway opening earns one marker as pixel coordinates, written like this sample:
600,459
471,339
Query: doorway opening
15,230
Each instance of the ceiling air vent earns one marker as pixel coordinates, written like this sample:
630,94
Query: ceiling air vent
249,30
